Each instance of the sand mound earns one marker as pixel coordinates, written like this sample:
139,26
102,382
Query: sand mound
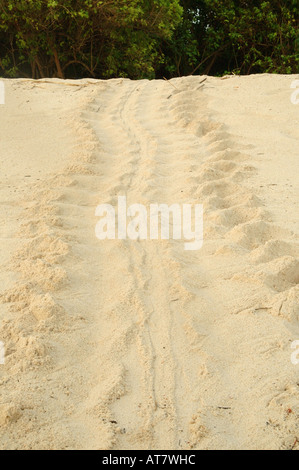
142,345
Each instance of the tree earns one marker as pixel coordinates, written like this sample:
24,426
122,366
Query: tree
237,36
147,38
68,38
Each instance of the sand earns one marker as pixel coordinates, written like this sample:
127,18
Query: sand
139,344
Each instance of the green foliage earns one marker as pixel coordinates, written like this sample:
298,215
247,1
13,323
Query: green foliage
85,37
259,36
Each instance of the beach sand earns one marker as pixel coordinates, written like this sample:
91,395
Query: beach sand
123,344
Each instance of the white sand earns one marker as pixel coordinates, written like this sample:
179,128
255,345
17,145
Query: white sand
141,345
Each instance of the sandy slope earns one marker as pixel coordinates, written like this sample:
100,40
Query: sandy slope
141,345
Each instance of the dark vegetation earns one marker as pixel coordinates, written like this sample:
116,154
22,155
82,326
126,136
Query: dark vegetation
147,38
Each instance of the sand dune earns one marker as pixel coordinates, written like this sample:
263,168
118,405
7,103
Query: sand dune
126,344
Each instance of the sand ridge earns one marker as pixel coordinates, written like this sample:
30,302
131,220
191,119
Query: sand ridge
141,345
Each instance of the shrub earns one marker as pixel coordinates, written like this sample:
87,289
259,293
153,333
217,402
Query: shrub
84,37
